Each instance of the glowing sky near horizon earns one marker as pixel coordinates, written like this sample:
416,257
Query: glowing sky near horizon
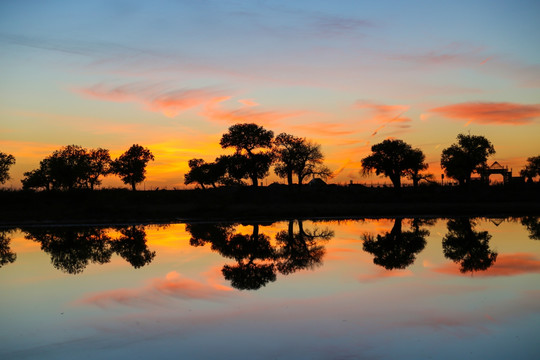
174,75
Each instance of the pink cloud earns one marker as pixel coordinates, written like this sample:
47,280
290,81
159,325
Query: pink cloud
491,113
157,291
214,110
383,274
323,129
506,265
154,97
385,114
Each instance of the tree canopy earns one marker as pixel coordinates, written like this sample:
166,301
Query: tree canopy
300,157
245,139
6,160
394,159
131,165
470,154
532,168
70,167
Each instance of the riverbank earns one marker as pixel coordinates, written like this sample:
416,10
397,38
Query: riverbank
276,203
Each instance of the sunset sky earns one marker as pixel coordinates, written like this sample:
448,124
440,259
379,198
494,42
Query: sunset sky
174,75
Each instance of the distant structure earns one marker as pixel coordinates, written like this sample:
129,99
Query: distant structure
496,168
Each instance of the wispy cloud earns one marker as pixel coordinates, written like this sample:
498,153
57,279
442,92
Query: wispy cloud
154,97
249,111
385,115
503,113
506,265
156,292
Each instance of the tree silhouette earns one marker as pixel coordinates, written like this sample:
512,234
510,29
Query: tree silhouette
396,249
245,139
416,164
99,164
301,250
132,246
532,168
470,154
72,249
6,161
131,165
467,247
533,226
254,254
6,255
298,156
394,159
70,167
204,173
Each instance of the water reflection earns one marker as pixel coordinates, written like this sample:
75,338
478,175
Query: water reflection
470,248
6,255
73,248
397,249
532,224
301,250
257,259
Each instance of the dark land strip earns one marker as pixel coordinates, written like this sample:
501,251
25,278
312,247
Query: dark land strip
265,203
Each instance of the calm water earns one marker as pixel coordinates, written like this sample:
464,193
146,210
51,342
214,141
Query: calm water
374,289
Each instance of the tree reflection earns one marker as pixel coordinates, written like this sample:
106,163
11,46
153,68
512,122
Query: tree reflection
73,248
257,260
467,247
301,250
397,249
6,255
132,246
532,224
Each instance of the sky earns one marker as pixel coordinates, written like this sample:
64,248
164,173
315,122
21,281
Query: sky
173,76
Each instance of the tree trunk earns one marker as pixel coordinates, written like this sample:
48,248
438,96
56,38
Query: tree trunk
396,181
133,186
255,181
289,178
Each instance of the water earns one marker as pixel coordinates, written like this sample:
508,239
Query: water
373,289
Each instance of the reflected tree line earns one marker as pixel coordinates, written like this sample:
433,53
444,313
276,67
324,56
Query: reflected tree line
73,248
256,259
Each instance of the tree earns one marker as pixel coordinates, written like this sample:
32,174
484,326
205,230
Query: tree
470,154
204,173
245,139
6,160
532,168
394,159
131,165
38,178
298,156
99,163
417,163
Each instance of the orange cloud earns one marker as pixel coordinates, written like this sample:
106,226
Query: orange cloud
214,110
153,97
385,114
323,129
491,113
173,285
506,265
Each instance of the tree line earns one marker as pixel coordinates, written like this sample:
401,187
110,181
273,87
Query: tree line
255,151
